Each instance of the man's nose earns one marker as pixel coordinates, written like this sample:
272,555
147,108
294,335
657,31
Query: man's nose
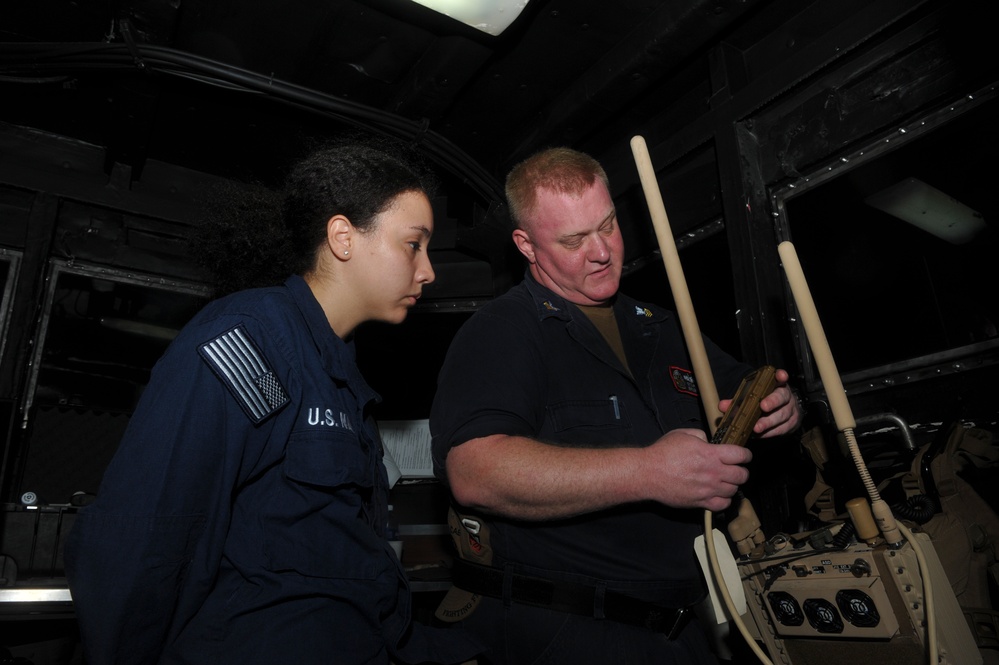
599,250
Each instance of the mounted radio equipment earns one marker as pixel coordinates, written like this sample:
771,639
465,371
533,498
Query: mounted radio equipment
819,602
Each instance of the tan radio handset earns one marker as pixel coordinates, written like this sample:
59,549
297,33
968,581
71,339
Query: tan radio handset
736,425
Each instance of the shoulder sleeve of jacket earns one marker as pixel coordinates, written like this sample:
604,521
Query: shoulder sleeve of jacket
246,372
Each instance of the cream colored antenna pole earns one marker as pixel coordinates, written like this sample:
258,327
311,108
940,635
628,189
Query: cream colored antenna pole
838,403
698,356
833,386
843,415
677,283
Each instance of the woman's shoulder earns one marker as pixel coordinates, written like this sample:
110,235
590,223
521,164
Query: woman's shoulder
264,314
260,302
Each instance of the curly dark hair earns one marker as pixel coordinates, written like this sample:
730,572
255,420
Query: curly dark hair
254,236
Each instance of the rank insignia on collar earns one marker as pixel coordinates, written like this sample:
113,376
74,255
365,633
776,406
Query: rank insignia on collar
683,380
238,363
643,311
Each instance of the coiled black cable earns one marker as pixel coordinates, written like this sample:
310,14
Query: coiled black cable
844,536
919,508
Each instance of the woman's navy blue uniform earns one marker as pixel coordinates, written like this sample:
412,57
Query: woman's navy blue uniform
241,520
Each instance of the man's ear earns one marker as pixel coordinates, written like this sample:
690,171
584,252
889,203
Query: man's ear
340,236
524,244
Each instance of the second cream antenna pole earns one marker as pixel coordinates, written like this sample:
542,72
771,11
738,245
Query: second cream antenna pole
677,283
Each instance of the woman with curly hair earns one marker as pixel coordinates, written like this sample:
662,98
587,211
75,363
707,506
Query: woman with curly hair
242,518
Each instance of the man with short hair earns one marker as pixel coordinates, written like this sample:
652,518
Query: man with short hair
567,425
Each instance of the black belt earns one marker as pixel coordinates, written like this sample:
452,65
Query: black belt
569,597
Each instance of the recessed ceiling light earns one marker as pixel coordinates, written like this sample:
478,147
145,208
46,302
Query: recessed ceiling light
489,16
928,208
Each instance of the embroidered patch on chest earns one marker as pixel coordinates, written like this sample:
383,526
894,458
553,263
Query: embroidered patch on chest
683,380
236,360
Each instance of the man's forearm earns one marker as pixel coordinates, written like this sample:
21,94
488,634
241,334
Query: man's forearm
522,478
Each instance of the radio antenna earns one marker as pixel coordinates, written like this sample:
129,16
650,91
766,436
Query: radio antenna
833,386
699,358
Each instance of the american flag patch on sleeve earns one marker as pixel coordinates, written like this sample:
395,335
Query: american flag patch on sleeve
236,360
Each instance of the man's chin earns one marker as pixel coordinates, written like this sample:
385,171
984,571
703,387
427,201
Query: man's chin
605,289
597,299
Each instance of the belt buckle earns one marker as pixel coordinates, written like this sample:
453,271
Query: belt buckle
679,621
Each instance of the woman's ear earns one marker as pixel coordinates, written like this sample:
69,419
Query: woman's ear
340,236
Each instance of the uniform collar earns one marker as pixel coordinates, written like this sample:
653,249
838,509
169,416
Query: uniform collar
547,303
339,359
551,305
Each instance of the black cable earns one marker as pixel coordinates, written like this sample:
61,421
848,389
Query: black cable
844,536
919,508
35,58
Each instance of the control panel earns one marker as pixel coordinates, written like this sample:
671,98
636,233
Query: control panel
830,606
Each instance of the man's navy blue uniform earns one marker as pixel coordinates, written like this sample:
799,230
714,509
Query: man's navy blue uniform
532,364
241,520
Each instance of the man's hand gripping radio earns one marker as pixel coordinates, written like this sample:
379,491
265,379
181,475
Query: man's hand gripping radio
736,425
